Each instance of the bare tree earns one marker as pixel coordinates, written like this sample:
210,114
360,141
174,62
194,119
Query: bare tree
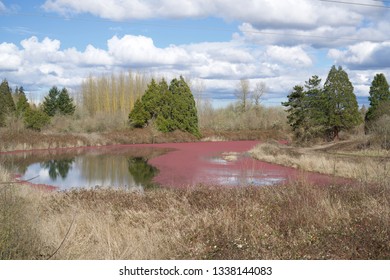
198,88
259,92
243,93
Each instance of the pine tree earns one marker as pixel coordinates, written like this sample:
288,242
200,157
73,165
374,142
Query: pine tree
150,99
184,109
65,104
379,93
340,104
50,104
5,91
138,117
296,109
170,107
7,105
22,105
165,121
2,111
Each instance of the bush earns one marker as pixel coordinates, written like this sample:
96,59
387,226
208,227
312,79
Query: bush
36,119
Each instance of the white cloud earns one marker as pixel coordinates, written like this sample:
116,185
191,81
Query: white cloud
364,55
43,63
10,58
292,56
287,13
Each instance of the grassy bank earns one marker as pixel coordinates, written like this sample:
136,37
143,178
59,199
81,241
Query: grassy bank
298,221
327,160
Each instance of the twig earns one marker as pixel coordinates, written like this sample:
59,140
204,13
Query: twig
19,181
66,235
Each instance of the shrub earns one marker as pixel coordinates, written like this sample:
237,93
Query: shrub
36,119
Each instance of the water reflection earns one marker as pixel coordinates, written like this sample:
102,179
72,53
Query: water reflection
141,171
118,168
58,168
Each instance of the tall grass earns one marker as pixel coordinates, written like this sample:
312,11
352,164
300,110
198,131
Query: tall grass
364,169
296,221
20,236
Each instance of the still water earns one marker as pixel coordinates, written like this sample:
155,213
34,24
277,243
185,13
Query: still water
124,167
149,166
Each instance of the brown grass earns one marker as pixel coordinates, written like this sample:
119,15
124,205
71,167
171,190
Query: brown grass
298,221
342,164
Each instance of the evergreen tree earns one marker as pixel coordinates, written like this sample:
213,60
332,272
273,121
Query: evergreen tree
5,91
340,104
184,109
35,119
296,109
2,111
379,93
50,103
22,104
165,121
138,117
65,104
171,107
150,99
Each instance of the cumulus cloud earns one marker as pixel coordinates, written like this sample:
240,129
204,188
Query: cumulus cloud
43,63
365,55
286,13
292,56
10,59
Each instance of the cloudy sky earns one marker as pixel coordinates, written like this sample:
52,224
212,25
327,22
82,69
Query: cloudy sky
217,43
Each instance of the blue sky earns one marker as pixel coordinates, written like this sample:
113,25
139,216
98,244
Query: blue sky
215,43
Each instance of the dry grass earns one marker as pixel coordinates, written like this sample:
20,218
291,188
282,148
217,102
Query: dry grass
364,169
19,223
298,221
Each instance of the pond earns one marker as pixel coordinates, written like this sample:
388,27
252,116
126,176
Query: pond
148,166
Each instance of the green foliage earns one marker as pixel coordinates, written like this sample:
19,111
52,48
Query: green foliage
49,105
58,102
5,91
7,105
323,111
65,104
170,107
340,104
184,111
22,104
379,93
296,107
36,119
142,172
138,117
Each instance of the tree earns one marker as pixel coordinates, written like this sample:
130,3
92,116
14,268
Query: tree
138,117
184,111
22,104
50,104
339,103
150,99
35,119
296,109
379,93
170,107
7,105
5,91
258,92
65,104
243,92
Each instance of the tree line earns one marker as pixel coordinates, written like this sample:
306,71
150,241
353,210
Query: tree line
169,108
15,104
323,111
